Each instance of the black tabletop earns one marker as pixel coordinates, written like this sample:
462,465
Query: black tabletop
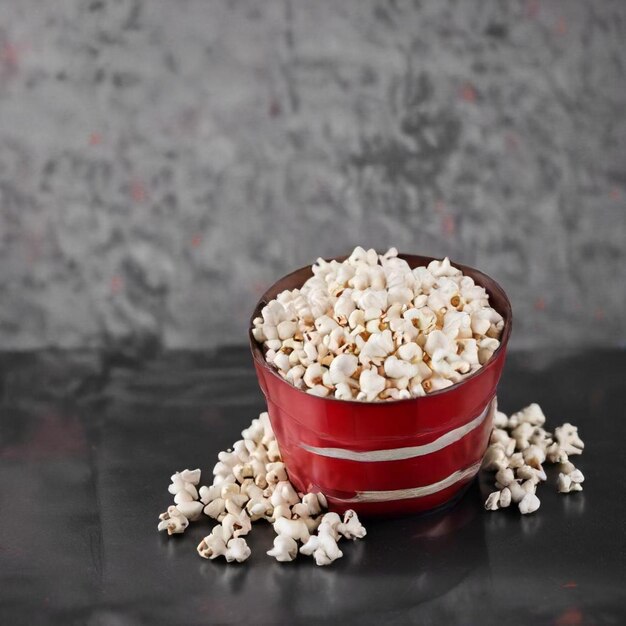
88,442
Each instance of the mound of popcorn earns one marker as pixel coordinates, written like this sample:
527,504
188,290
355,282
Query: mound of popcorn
250,484
518,447
370,328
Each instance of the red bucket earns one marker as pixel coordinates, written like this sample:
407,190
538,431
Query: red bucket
391,457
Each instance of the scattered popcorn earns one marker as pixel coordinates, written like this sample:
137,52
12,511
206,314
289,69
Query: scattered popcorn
237,550
323,546
493,501
568,439
191,510
250,483
371,328
173,521
570,478
183,485
532,415
519,445
529,504
294,528
285,548
212,545
351,527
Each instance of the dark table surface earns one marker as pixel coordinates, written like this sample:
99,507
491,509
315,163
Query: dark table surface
88,442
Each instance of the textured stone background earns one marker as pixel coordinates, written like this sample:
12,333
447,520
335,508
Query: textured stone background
162,162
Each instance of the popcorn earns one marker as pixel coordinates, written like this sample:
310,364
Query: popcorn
173,521
236,525
250,483
237,550
519,445
191,510
285,548
371,383
529,504
342,368
397,368
314,375
212,545
431,325
493,501
323,547
294,528
351,527
532,415
570,478
568,439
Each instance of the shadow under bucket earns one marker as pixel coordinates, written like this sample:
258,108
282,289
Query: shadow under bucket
391,457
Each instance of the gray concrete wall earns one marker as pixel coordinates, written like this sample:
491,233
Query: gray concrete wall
162,162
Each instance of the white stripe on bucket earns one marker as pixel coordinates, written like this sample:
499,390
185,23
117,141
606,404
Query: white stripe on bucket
414,492
399,454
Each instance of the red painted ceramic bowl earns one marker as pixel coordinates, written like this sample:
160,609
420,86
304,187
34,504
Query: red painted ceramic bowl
391,457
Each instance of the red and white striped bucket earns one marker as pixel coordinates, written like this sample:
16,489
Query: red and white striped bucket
392,457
